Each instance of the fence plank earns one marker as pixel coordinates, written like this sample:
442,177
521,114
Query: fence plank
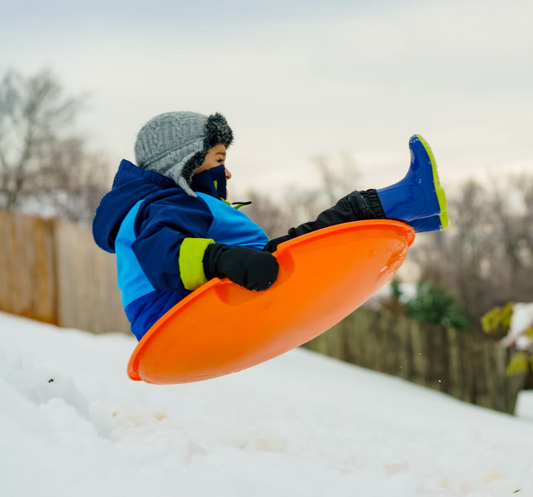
27,267
89,296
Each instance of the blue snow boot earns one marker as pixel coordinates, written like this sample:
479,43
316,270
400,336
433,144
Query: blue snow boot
419,194
427,224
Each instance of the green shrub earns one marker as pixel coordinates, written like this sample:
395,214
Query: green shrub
433,305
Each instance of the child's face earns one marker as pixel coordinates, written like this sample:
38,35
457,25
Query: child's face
216,156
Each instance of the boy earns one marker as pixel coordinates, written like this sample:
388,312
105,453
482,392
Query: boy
172,229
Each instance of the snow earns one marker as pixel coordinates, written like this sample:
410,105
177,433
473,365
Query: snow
301,425
521,320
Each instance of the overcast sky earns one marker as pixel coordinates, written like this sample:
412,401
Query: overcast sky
297,78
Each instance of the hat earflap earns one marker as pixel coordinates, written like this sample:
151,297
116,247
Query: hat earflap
217,132
194,163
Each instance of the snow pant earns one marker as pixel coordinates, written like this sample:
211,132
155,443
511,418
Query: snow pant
356,206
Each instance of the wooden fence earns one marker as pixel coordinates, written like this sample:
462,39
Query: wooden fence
28,267
454,362
52,271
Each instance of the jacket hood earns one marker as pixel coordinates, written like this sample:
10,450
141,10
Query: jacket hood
132,184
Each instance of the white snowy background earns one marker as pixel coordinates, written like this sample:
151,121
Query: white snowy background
301,425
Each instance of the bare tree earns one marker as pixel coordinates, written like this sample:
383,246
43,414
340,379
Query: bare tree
40,161
300,205
272,217
486,257
336,181
73,181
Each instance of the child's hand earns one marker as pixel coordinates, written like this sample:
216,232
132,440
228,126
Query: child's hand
252,269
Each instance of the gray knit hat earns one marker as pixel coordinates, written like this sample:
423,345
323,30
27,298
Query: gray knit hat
175,144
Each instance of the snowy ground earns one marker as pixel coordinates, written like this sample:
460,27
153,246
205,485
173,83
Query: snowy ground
299,426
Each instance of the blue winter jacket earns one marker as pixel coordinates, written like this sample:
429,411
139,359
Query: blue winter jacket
159,234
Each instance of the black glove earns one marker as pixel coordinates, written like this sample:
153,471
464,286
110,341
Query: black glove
252,269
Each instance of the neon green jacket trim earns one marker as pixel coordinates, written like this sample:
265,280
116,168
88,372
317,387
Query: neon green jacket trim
191,262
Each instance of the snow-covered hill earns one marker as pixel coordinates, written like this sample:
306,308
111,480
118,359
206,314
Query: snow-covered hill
73,425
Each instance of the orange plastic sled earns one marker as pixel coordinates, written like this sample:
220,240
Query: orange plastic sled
222,328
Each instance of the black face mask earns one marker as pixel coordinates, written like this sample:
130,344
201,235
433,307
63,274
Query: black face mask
211,180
